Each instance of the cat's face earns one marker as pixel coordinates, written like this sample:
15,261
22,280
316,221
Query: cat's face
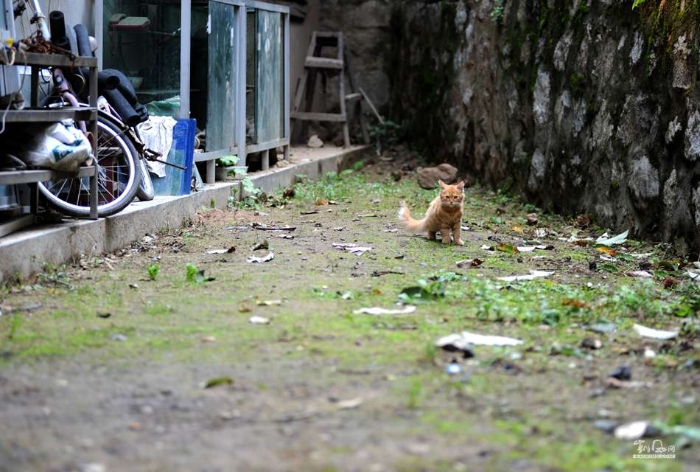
451,196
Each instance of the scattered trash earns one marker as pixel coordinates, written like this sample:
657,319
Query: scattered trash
635,430
455,343
230,250
640,273
534,274
349,404
264,227
383,311
531,219
352,248
654,333
453,368
379,273
217,382
208,339
612,382
259,320
339,228
268,302
590,343
648,353
117,337
464,341
253,259
540,247
693,275
540,233
134,286
469,263
606,240
621,373
486,247
261,245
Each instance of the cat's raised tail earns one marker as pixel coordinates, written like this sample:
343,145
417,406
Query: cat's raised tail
416,226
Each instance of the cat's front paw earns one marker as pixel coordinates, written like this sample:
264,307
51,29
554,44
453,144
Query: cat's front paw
459,242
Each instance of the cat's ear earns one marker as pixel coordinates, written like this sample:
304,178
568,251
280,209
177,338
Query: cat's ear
442,184
460,186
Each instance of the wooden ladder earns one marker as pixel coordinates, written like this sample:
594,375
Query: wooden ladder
315,63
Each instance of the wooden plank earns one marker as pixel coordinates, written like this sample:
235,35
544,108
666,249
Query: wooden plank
16,224
311,116
371,106
54,60
353,96
341,94
323,63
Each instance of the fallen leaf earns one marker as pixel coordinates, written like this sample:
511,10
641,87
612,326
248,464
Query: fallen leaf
518,229
607,250
640,273
469,263
218,381
208,339
507,248
575,303
261,245
605,240
243,308
322,202
352,248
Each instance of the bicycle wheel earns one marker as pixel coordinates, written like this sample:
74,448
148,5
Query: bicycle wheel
145,192
118,174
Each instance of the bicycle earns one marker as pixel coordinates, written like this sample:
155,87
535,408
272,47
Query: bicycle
122,169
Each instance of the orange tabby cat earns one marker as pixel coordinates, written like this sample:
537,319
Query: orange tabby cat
444,214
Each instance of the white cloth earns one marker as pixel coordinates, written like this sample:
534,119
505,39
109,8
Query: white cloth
157,135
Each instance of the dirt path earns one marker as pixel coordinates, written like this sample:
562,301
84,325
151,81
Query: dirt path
105,369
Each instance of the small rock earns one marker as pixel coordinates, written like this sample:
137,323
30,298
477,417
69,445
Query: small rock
314,142
590,343
428,176
135,426
531,219
622,373
117,337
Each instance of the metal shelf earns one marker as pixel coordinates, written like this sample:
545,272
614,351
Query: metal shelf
51,115
37,115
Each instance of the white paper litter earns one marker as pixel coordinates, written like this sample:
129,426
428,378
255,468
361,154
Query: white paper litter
465,338
383,311
605,240
639,273
531,248
352,248
486,247
217,251
631,431
654,333
253,259
259,320
693,275
534,274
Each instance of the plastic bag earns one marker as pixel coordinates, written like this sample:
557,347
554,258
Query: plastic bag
60,146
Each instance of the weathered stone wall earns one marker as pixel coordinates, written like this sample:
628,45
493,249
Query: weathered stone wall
580,106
